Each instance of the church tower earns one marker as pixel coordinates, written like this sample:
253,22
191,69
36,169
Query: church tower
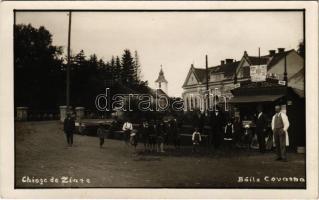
161,82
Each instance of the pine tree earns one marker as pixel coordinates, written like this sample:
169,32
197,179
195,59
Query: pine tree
127,68
137,69
118,69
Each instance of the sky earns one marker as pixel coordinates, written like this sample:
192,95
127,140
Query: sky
174,40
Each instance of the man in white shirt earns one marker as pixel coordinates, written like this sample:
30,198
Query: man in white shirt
280,125
127,128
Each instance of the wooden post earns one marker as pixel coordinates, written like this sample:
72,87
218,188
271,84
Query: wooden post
68,64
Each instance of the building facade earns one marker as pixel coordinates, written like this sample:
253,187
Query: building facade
230,73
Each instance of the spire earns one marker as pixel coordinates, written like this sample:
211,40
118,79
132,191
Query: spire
161,77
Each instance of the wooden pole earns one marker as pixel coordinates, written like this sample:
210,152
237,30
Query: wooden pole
285,72
68,64
207,89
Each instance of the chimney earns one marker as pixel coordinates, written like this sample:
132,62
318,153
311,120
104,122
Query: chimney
228,60
272,52
222,62
281,50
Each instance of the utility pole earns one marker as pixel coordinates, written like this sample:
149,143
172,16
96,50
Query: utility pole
285,72
68,64
207,89
259,55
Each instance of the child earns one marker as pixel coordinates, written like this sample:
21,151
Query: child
127,128
229,131
196,138
102,132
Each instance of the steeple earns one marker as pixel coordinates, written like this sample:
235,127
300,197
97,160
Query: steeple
161,82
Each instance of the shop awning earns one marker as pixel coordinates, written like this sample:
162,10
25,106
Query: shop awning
254,98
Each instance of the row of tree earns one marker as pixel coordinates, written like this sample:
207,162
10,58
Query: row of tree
40,72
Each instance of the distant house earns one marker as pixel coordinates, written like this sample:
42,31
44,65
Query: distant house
230,73
275,62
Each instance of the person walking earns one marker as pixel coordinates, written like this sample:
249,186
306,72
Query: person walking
280,125
152,135
127,128
261,129
69,128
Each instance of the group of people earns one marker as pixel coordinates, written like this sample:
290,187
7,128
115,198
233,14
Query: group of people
155,133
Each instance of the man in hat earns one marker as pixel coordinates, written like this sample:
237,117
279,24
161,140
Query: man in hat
69,128
261,127
217,122
280,125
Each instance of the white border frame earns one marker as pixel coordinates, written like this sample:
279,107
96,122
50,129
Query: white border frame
7,115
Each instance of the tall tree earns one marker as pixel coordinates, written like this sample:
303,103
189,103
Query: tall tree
118,69
37,68
137,66
128,72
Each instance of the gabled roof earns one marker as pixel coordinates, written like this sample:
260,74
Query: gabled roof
200,74
228,69
277,57
253,60
269,60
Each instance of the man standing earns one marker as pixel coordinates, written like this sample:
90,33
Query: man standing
69,129
261,127
217,128
175,133
280,125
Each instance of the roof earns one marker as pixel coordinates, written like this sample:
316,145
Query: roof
277,57
253,60
269,60
156,93
200,74
255,98
228,69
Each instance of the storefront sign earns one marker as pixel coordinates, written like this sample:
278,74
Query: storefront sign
282,82
237,85
258,73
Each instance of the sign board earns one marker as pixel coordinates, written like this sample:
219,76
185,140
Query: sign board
258,73
282,82
237,85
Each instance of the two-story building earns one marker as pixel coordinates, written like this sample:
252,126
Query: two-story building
230,73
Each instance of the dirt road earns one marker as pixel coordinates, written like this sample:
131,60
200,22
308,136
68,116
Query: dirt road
44,160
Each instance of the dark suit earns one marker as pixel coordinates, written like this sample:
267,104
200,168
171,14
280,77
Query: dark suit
217,123
261,127
69,129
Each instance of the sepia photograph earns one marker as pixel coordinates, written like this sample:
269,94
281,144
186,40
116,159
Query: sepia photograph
159,99
202,99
